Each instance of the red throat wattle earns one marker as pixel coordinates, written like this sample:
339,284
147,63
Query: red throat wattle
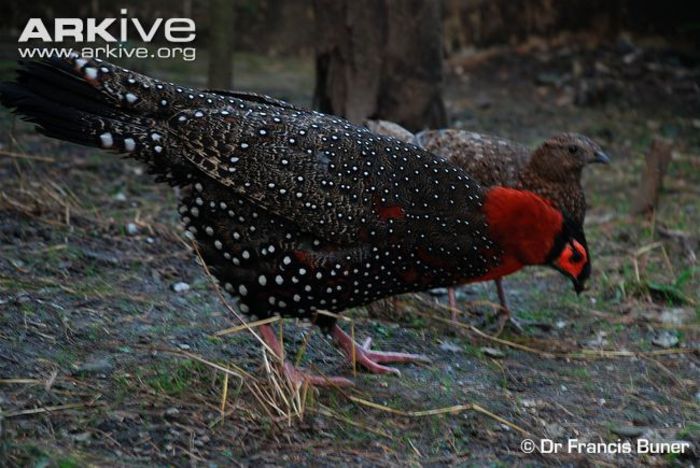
573,259
523,225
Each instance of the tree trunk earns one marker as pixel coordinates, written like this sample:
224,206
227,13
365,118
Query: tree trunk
380,59
657,160
220,44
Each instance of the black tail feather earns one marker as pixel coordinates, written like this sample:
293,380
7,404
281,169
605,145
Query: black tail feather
67,107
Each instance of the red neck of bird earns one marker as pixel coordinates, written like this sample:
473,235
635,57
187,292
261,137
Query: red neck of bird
523,225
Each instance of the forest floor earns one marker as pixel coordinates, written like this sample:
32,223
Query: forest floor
105,361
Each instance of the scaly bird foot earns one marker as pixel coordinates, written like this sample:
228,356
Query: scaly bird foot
295,376
298,377
505,319
371,360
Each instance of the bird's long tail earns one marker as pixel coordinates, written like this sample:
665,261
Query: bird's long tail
98,104
64,104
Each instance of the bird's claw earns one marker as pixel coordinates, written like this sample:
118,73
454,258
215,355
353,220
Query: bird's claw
372,360
297,378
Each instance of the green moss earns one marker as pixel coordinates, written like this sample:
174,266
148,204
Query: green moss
174,378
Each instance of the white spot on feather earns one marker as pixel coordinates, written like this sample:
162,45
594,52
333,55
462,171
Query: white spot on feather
129,144
106,140
90,73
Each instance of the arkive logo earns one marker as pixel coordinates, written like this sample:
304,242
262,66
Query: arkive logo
121,29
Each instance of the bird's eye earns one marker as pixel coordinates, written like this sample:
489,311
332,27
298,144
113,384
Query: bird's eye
573,149
576,257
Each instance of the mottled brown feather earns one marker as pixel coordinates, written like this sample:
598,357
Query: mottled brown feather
551,170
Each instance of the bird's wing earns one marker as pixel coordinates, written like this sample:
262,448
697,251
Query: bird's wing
253,98
490,160
331,179
327,176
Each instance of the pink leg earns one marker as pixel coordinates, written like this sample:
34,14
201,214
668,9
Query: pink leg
296,376
371,360
504,313
502,297
452,302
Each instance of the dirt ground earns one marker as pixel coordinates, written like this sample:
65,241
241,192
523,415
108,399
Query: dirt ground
107,358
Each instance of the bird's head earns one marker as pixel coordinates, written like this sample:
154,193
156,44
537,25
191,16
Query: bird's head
569,254
563,157
531,231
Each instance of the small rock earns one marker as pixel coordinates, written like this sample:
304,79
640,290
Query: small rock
184,346
180,286
665,339
150,240
493,352
600,67
676,316
120,197
627,59
103,365
22,297
598,341
82,437
172,411
548,79
554,431
560,324
449,346
101,257
132,229
528,403
629,431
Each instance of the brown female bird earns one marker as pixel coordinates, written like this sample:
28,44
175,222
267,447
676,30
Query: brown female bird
296,211
553,170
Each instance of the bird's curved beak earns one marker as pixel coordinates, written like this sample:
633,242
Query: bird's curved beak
600,157
579,286
578,282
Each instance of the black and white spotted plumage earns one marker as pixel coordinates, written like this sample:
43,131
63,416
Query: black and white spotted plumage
294,211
